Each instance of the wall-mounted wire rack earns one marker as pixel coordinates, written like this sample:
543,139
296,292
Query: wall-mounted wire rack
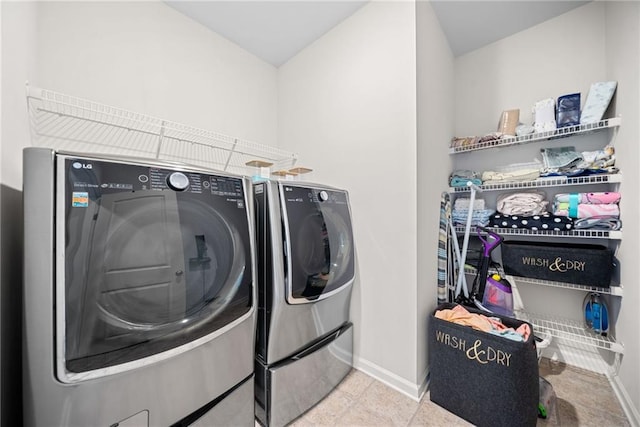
613,122
612,290
570,330
559,181
72,124
584,233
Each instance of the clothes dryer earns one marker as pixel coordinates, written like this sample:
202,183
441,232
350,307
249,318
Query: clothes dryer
306,268
139,305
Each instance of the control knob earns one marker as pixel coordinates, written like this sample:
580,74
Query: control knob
178,181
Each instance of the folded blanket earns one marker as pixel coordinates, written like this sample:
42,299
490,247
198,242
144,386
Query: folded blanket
523,203
593,198
560,157
544,222
463,203
489,177
585,210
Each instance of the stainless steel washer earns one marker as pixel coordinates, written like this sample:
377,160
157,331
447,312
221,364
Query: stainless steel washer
139,293
306,267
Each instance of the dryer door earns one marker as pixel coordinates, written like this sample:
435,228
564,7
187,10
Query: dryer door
319,242
151,265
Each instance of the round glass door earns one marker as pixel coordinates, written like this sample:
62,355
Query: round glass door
319,242
150,269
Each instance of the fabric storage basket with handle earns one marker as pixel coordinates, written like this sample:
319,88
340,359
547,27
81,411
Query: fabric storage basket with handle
571,263
487,379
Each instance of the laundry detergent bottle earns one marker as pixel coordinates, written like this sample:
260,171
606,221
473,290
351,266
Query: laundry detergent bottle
498,297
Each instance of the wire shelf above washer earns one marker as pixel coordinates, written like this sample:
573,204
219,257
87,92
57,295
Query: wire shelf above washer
67,123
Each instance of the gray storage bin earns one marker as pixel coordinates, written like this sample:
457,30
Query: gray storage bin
486,379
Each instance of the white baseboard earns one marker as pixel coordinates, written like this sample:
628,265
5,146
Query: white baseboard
409,389
625,401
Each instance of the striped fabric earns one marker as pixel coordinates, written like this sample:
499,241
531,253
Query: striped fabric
443,233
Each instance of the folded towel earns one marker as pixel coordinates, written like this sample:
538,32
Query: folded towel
460,178
463,203
560,157
462,182
478,217
598,223
523,203
585,210
597,198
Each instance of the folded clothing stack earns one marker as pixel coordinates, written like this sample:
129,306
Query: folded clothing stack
522,203
479,215
585,205
461,177
565,161
597,210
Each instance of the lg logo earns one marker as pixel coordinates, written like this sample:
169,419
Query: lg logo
78,165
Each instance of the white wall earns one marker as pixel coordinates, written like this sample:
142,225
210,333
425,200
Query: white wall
347,106
147,57
18,44
140,56
596,42
623,65
560,56
435,112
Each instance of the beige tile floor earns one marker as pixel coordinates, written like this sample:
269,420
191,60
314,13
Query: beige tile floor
584,399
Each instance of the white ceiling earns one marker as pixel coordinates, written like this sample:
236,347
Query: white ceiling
272,30
275,31
469,25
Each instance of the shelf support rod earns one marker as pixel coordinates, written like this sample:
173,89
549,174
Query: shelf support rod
233,149
465,241
160,139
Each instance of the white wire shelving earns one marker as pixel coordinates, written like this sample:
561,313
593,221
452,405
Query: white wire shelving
559,181
542,136
72,124
612,290
570,330
584,233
